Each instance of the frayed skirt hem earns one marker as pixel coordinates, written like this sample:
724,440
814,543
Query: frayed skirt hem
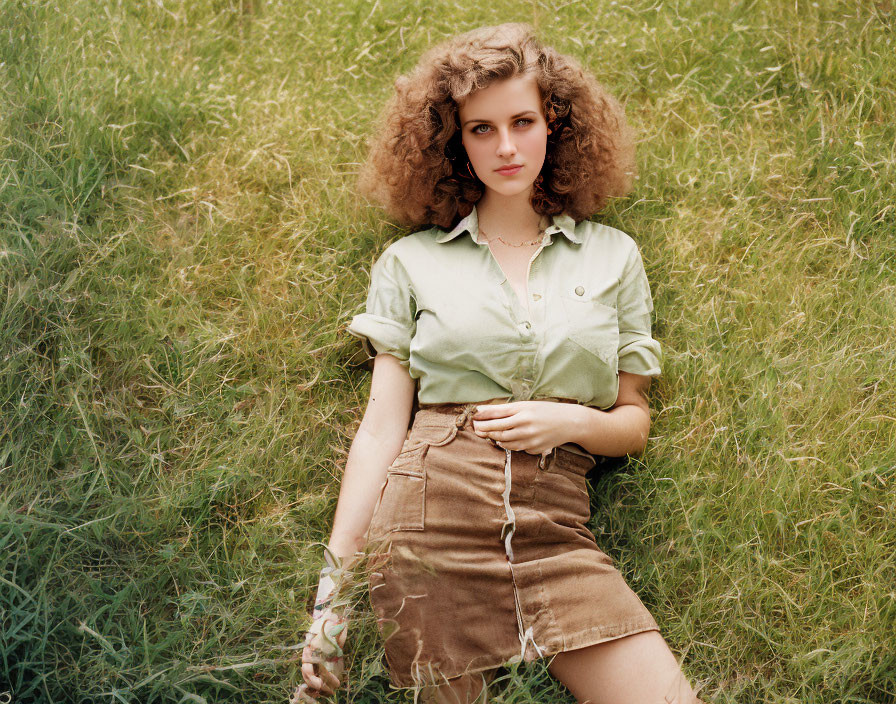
583,639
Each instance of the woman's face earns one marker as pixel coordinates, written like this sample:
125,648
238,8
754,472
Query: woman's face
502,125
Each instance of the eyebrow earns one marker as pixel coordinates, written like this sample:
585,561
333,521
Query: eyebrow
519,114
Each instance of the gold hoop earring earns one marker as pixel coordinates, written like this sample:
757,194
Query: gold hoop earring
472,175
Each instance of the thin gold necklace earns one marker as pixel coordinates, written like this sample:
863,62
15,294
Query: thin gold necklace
511,244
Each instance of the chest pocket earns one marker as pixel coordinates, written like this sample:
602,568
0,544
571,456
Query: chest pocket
592,322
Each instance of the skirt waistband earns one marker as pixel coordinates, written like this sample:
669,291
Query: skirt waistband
441,414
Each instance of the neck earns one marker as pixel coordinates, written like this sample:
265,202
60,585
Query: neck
511,217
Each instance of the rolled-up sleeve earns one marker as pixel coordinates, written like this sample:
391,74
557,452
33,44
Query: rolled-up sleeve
388,322
638,352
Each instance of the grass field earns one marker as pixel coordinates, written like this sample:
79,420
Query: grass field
181,250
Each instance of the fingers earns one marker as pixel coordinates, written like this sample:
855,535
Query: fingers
505,436
313,681
503,423
493,428
319,679
517,442
316,675
321,676
495,410
330,680
322,659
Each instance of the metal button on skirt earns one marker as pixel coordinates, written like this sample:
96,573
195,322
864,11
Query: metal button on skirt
483,557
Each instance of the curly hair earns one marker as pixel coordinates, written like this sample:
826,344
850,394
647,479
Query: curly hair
416,164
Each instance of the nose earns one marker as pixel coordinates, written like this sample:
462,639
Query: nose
506,146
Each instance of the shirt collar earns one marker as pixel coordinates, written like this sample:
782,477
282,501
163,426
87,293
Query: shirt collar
560,223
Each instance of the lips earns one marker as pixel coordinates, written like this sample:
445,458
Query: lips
509,170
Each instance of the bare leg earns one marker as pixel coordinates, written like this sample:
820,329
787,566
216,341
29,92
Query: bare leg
466,689
635,669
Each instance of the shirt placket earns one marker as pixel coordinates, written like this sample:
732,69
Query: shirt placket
530,326
529,320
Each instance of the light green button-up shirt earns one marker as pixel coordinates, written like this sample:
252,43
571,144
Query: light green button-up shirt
440,303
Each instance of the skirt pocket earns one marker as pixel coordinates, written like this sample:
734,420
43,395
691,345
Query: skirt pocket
402,501
429,435
402,504
563,488
567,461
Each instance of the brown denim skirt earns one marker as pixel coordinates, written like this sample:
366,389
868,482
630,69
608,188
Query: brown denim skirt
484,556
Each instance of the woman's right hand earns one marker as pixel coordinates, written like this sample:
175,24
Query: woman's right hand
322,658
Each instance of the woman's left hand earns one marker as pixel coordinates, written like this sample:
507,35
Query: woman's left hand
532,426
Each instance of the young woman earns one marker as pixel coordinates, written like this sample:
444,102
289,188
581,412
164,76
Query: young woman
527,327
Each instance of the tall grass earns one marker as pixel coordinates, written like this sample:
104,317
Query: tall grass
181,250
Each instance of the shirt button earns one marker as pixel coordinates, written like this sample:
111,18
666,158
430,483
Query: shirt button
580,291
527,325
536,297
